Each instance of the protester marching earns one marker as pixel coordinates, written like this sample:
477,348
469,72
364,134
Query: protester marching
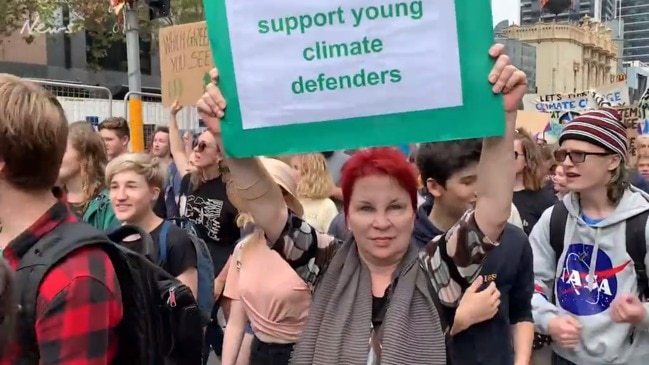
368,183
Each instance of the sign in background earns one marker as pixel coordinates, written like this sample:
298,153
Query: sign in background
549,125
185,62
616,93
311,76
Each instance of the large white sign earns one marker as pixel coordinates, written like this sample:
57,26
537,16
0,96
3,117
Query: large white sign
617,94
361,55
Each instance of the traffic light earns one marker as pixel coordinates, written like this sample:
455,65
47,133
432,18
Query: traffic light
158,8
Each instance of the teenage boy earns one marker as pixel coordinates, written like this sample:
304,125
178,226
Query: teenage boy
450,172
116,135
78,306
590,251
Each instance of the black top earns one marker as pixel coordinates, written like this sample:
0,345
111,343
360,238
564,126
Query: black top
531,205
181,254
210,210
510,266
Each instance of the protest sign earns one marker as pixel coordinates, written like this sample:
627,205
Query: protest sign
616,94
185,62
532,121
303,76
632,119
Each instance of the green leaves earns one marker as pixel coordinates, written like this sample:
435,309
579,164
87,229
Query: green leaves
90,16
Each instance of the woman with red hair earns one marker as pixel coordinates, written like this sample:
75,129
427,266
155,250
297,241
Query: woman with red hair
376,286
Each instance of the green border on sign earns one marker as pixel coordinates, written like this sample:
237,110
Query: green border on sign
481,115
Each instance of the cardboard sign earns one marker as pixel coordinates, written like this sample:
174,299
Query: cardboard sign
303,76
532,121
616,94
185,62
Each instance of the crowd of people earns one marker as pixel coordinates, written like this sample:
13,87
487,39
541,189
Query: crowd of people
502,250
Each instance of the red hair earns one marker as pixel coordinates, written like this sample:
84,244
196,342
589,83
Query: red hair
382,161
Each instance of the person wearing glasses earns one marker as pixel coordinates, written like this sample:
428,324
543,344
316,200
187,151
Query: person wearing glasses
531,197
204,202
587,283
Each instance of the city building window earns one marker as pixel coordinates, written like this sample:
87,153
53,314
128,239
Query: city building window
116,55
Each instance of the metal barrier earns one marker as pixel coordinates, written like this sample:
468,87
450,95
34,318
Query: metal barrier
154,113
152,110
79,100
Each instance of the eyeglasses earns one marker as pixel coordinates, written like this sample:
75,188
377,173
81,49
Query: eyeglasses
516,154
200,147
577,156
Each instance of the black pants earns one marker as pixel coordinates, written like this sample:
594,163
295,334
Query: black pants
262,353
558,360
213,336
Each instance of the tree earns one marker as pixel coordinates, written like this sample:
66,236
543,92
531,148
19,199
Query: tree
35,17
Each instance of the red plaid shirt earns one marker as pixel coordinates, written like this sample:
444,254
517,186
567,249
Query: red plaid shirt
79,302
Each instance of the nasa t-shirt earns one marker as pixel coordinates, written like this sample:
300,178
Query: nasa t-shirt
210,210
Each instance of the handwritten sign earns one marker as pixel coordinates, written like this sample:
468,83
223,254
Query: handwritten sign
185,62
632,119
328,76
616,94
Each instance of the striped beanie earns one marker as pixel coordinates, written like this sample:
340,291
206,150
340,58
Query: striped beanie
602,127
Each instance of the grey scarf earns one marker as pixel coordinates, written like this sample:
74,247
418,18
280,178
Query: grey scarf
339,325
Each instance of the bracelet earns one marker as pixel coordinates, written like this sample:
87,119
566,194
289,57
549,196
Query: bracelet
255,190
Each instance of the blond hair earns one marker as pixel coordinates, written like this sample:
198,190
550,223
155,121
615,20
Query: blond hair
255,238
142,164
315,181
33,134
92,157
618,183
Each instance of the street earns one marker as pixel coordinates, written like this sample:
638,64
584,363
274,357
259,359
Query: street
213,360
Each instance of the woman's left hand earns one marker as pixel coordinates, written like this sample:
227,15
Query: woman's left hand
507,79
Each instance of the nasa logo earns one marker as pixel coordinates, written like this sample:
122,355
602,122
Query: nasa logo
574,292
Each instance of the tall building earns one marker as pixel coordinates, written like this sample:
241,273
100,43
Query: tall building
569,57
600,10
522,55
635,14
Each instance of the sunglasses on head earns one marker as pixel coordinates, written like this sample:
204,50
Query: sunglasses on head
577,156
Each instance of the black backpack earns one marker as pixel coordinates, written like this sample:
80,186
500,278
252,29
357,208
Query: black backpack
636,242
161,320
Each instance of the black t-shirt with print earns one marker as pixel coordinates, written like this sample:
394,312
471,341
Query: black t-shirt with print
210,210
181,254
531,205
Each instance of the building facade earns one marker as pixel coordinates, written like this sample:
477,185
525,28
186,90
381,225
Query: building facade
635,14
65,58
569,57
600,10
523,55
637,78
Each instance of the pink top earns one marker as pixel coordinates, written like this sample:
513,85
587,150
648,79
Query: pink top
275,298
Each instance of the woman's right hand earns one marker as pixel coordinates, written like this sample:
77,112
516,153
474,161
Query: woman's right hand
476,305
211,106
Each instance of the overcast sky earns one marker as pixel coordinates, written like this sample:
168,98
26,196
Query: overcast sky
505,9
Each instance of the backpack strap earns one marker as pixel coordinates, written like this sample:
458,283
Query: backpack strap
35,264
162,241
636,247
558,228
